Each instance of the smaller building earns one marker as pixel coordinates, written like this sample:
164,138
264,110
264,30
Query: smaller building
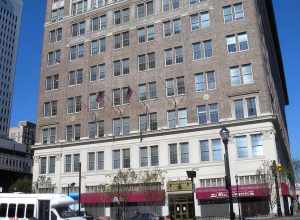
15,163
24,133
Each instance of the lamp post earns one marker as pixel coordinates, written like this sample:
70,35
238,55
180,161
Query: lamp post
224,133
237,194
70,185
192,175
79,188
274,171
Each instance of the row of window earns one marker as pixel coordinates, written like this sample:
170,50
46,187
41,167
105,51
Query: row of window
122,16
179,153
200,50
209,113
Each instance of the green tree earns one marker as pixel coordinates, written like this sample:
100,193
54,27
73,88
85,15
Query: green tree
21,185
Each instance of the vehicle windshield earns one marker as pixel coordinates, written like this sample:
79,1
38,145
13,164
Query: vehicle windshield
65,212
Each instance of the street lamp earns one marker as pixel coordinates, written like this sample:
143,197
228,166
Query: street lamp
224,133
71,185
237,194
79,189
192,175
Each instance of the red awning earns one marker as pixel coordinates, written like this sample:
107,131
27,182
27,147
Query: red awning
107,198
211,193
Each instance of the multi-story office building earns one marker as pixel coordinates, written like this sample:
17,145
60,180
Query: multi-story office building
24,133
10,20
147,85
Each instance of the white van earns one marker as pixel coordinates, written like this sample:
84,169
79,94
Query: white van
36,206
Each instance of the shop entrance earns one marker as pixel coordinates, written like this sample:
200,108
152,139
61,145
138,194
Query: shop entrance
181,207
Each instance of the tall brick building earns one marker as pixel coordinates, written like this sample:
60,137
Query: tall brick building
147,85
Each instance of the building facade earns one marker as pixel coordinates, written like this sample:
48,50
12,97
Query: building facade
10,20
24,133
147,85
15,163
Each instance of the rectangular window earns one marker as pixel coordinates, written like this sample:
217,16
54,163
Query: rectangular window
143,122
76,162
171,119
173,154
68,163
143,156
180,85
150,32
231,44
243,41
184,152
141,35
168,56
204,149
202,50
91,161
92,126
142,92
154,155
257,146
153,121
233,12
142,62
202,114
247,74
116,159
251,107
98,23
178,55
152,90
100,128
126,158
216,150
151,60
182,118
241,145
117,127
200,20
213,111
116,97
235,76
51,164
170,91
100,160
239,109
43,165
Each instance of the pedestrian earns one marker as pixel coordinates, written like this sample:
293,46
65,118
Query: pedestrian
292,208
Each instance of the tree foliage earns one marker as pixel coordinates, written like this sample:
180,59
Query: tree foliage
22,185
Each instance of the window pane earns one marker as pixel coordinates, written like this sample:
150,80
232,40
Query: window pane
205,20
153,121
247,74
204,149
243,41
143,156
76,162
216,149
227,11
241,144
235,76
142,92
251,107
184,152
91,161
211,81
152,90
213,113
170,87
200,85
202,114
231,44
257,146
100,160
182,118
239,109
168,57
117,127
126,158
116,159
154,155
171,119
143,122
92,129
173,153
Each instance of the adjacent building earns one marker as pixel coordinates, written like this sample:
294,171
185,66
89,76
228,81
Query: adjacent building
24,133
15,163
10,20
147,86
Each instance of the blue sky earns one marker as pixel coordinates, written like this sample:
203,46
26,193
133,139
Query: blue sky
28,64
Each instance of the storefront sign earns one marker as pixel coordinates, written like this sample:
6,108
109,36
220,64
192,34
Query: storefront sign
211,193
107,198
180,185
